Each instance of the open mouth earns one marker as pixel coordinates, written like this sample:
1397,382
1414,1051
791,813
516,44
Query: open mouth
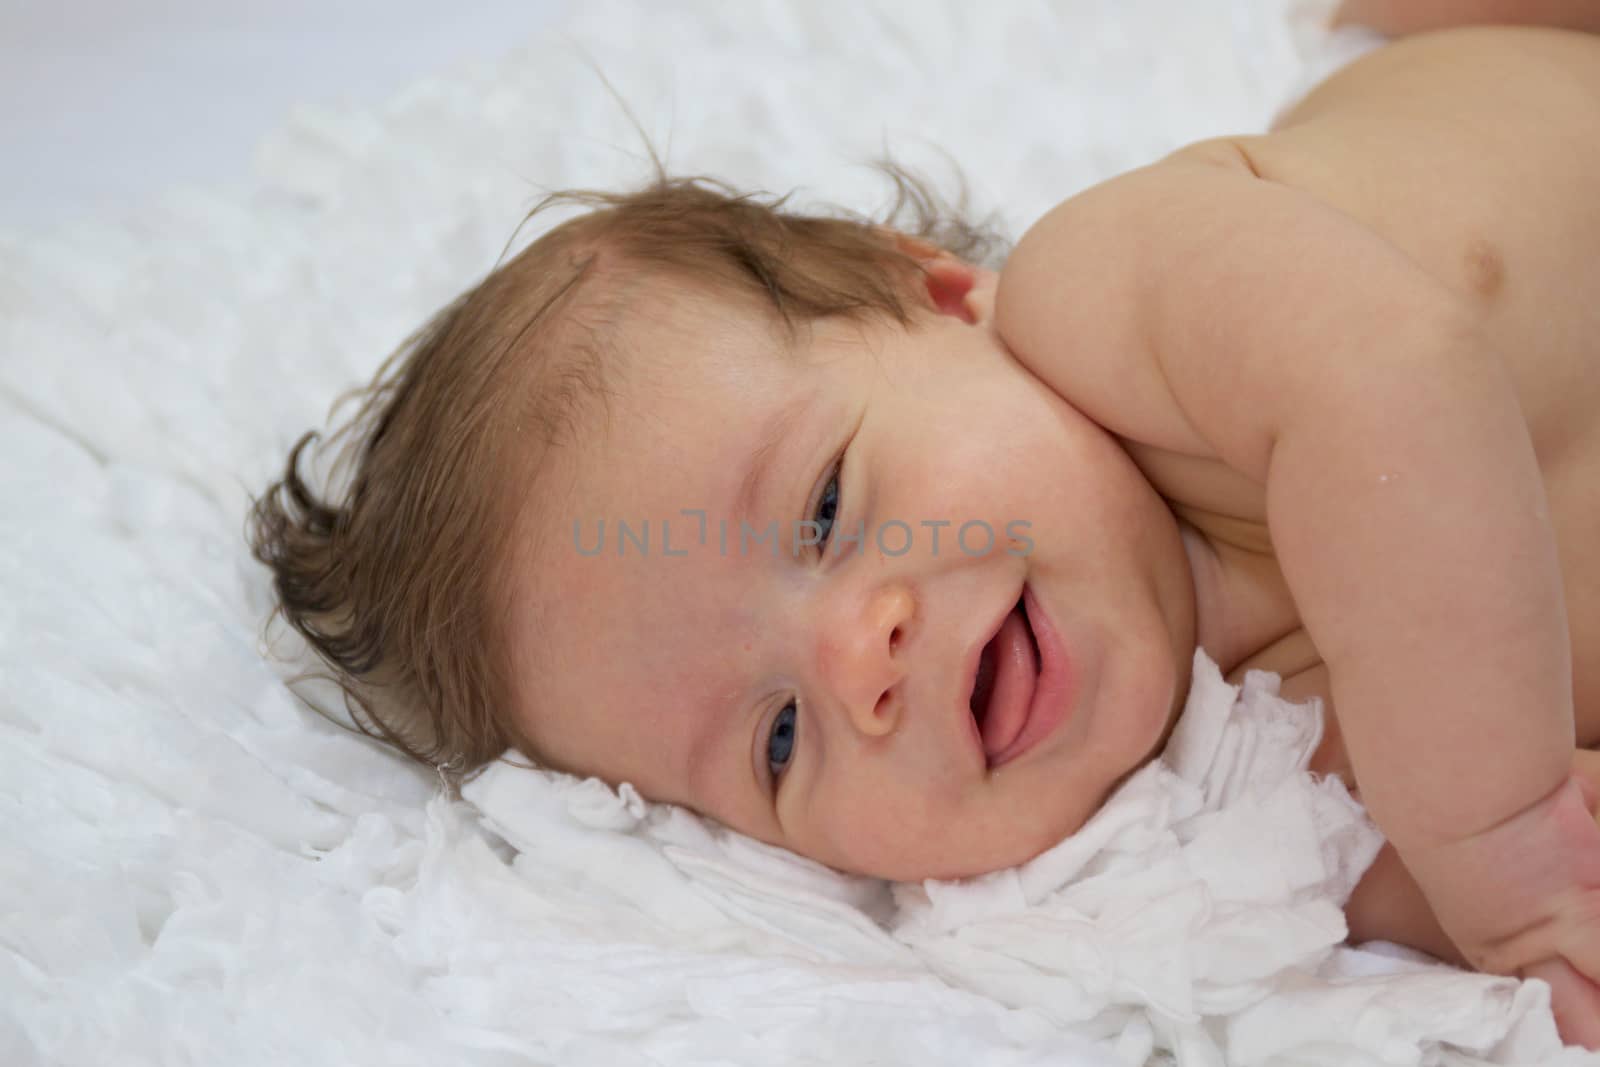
1002,692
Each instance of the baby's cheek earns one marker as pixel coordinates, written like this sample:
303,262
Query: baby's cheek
868,833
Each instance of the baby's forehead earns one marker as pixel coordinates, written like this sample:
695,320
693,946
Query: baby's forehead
668,445
668,318
699,384
632,591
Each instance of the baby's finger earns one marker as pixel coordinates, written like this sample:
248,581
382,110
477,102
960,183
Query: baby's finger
1574,1000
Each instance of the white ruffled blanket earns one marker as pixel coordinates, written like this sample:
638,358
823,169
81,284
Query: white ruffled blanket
195,869
1198,913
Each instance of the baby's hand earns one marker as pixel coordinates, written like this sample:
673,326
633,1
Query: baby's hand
1524,899
1575,999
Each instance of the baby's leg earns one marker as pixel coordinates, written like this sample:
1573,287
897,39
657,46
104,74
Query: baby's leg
1396,18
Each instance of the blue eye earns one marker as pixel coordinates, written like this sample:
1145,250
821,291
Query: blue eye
827,508
780,744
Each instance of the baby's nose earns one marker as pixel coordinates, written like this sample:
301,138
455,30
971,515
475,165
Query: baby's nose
861,655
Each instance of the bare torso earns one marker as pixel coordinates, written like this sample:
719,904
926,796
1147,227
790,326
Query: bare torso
1477,152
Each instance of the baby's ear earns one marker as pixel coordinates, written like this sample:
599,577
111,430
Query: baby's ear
948,280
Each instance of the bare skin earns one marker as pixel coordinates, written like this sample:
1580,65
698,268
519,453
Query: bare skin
1320,402
1479,205
1388,904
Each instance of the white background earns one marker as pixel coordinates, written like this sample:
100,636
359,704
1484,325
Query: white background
104,103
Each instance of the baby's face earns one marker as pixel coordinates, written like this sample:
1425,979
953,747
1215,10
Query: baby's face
904,699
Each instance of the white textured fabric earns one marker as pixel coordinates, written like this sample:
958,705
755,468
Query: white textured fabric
1198,913
195,869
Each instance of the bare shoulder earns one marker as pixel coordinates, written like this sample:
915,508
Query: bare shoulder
1163,303
1414,177
1071,298
1475,152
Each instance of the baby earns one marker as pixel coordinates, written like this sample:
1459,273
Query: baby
821,529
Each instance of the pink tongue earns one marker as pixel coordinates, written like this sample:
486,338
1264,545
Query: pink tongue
1015,672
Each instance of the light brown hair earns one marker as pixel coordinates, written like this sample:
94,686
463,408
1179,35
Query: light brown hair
394,581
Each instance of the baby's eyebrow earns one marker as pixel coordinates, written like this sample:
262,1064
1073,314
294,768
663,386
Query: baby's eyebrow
752,490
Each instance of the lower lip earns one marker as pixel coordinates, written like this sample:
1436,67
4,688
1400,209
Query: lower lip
1051,691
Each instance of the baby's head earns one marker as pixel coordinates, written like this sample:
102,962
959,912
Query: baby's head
756,511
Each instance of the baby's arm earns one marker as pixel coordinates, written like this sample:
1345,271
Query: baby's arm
1396,18
1247,320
